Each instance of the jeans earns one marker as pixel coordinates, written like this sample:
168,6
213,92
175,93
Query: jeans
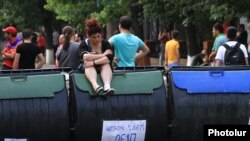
173,64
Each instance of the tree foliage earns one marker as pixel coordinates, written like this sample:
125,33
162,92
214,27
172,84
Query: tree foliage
70,11
76,11
199,14
21,13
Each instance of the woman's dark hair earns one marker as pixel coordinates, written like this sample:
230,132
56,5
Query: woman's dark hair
67,32
92,26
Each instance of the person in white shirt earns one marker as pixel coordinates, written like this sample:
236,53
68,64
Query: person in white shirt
231,35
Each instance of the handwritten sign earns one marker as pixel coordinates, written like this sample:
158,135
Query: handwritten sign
124,130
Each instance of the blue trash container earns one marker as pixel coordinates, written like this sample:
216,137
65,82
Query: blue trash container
202,96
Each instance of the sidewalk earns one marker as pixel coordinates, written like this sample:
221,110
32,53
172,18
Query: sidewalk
48,66
45,66
153,62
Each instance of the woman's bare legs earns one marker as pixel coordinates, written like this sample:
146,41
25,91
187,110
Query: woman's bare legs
91,74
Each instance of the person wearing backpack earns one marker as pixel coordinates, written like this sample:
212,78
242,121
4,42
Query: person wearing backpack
232,52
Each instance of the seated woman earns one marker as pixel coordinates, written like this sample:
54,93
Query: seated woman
97,56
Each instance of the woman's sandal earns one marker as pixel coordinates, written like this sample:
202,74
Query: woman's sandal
99,90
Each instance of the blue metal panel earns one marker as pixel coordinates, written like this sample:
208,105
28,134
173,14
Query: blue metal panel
217,81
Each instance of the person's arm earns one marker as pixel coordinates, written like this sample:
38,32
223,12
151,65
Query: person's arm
110,42
144,51
214,50
101,61
243,48
212,56
91,56
166,57
178,53
16,61
106,59
219,56
41,61
8,55
247,63
160,36
57,63
218,62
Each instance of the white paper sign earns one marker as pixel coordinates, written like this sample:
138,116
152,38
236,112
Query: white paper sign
9,139
124,130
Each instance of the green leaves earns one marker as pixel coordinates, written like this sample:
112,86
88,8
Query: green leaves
22,14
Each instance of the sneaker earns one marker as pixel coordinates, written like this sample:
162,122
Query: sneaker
109,91
99,91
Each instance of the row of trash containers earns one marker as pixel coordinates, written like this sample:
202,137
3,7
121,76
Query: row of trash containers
37,106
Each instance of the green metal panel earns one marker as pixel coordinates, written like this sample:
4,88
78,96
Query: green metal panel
37,86
125,82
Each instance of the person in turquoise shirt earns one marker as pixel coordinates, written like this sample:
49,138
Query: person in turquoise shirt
126,45
220,39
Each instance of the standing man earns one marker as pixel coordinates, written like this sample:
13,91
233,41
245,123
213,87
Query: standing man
126,45
220,39
172,53
9,51
238,58
27,52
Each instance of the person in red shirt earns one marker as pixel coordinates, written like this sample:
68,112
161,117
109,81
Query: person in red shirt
41,43
9,51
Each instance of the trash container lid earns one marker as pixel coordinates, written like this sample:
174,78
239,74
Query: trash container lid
212,81
35,86
125,83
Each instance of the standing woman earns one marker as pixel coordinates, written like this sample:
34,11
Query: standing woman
97,56
68,55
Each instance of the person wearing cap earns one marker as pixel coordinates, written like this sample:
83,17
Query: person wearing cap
9,51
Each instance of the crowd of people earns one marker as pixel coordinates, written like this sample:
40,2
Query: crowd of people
92,54
230,47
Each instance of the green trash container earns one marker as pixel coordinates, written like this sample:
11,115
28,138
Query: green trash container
34,107
137,111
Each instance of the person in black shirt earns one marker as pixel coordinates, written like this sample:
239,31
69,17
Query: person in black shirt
27,52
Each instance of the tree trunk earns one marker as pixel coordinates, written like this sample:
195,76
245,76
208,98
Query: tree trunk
47,22
192,46
137,26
